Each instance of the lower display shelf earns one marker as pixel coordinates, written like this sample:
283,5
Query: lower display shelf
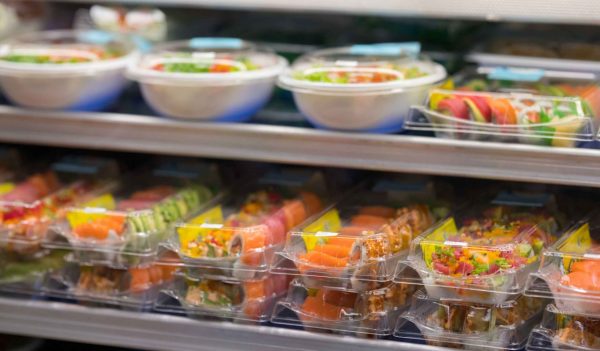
150,331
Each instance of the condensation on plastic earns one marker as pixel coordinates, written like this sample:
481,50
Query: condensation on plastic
560,331
570,268
458,258
83,86
353,105
230,299
512,117
223,95
460,325
366,314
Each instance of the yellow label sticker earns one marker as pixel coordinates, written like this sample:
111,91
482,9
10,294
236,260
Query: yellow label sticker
437,238
6,187
579,242
328,223
206,221
106,201
78,217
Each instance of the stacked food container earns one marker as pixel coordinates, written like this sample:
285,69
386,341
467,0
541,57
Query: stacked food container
344,260
473,266
224,251
569,275
114,238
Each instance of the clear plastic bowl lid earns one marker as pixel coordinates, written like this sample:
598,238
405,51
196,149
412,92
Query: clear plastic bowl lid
364,68
208,59
65,51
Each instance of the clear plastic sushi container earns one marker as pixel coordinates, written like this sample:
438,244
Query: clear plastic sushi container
467,326
133,288
569,271
208,79
504,117
238,234
357,242
31,204
560,331
482,254
368,314
362,88
126,224
224,299
87,65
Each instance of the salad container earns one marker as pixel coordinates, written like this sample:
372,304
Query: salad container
560,331
480,255
370,314
570,270
208,79
238,234
64,70
459,325
356,243
229,299
126,224
366,88
504,117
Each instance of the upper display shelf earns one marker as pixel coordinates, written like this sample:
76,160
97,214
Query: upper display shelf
570,12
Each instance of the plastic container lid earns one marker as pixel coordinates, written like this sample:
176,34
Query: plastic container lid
570,270
358,242
211,61
25,276
481,255
455,324
561,331
362,68
368,313
75,52
247,300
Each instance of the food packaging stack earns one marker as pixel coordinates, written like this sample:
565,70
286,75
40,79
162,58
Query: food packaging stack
568,275
473,267
224,252
115,238
343,260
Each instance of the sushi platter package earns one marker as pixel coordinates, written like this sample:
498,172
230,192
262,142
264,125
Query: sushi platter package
482,254
361,88
224,299
87,65
519,117
357,243
132,288
238,234
370,314
570,270
126,224
459,325
560,331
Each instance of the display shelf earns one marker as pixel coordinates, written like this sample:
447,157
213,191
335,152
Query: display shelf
163,332
573,11
304,146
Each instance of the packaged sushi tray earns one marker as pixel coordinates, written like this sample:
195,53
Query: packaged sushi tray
224,299
216,79
88,66
569,271
362,88
517,117
455,324
357,242
369,314
126,224
238,234
483,254
560,331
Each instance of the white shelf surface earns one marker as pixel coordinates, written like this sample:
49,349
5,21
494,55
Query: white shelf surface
304,146
163,332
553,11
